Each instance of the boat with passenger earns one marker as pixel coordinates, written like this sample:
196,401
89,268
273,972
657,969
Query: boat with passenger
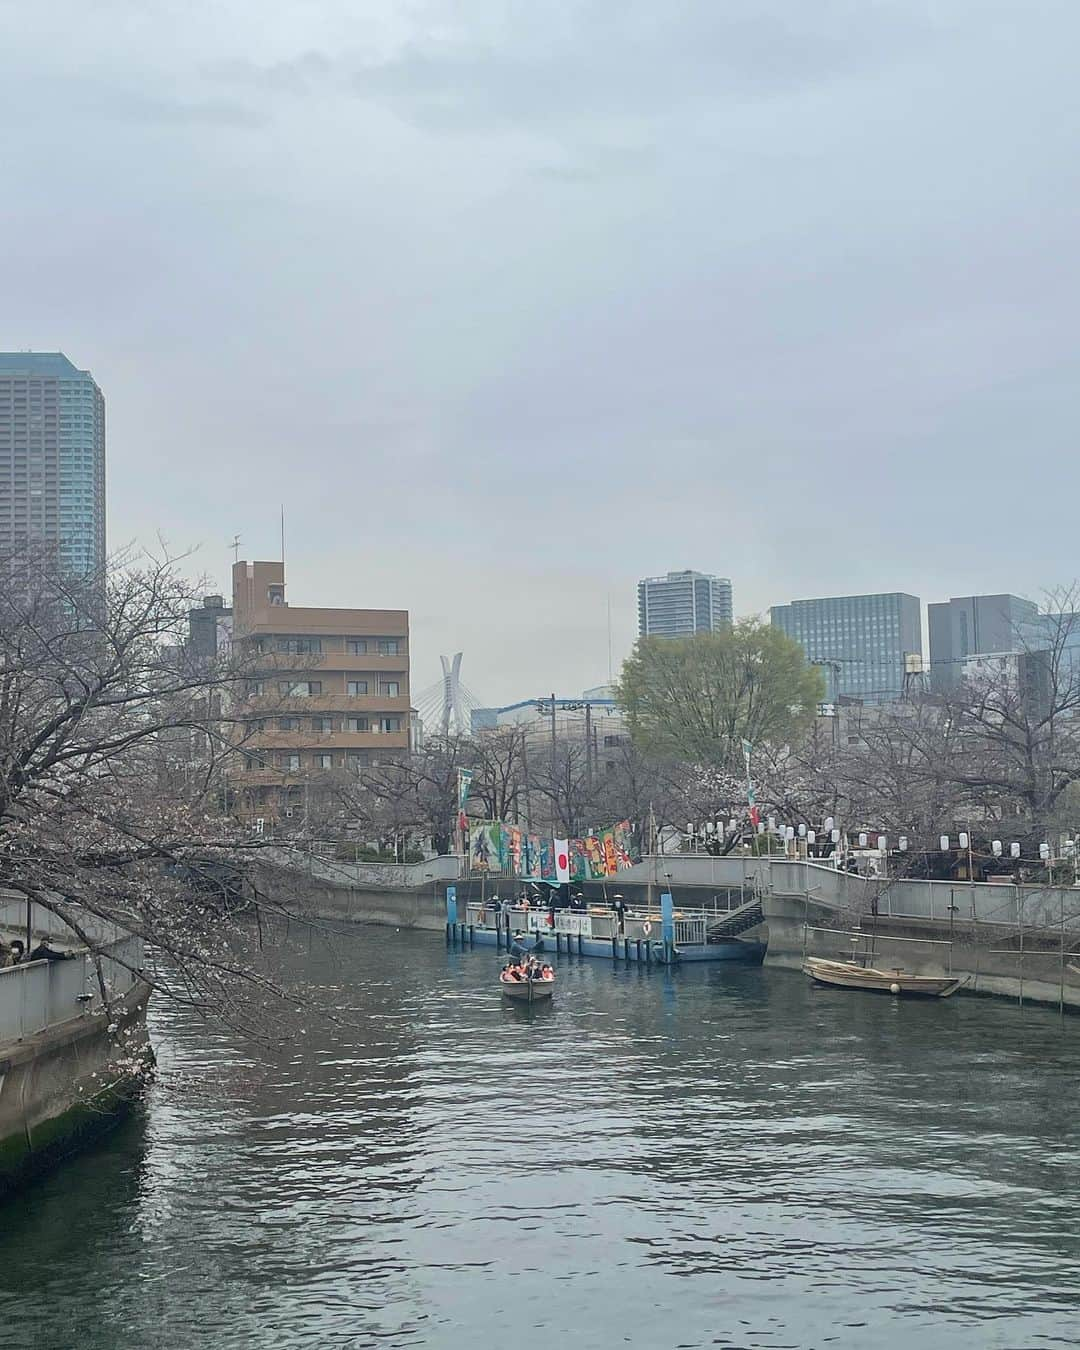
527,981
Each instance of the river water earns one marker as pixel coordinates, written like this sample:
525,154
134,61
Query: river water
710,1157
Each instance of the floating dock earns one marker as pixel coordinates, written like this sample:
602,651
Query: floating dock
664,936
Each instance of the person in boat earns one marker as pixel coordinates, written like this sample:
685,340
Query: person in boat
18,951
577,902
618,906
546,972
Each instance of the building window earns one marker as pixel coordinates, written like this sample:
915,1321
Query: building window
357,724
299,646
356,646
290,761
356,688
256,689
322,724
389,723
357,759
388,647
299,688
390,688
288,724
324,761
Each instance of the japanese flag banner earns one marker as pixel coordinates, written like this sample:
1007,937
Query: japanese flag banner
562,859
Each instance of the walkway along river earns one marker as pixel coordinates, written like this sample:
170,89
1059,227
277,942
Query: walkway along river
707,1156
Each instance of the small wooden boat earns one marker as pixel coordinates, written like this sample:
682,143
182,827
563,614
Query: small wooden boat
528,991
849,975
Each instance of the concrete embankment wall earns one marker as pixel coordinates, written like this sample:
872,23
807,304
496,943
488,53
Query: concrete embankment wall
67,1083
389,906
990,958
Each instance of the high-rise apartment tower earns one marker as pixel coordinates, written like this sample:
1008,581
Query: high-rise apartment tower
683,603
52,459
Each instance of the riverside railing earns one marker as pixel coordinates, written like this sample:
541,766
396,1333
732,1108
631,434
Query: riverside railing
42,994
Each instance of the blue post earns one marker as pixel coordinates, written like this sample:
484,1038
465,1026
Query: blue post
667,924
451,912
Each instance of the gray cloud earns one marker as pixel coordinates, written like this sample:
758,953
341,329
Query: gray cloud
513,303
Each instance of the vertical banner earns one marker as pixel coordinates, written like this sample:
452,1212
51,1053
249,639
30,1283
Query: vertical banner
547,861
531,871
611,862
515,848
562,860
579,861
461,819
486,850
623,835
594,851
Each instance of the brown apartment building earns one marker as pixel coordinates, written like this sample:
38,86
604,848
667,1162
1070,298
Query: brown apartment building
328,690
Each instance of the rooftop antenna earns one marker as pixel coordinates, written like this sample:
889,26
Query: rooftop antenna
235,546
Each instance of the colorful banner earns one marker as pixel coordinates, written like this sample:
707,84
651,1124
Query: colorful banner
490,846
486,853
531,870
623,835
515,850
611,861
464,782
594,852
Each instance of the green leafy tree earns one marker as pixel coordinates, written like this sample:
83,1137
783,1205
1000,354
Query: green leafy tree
698,698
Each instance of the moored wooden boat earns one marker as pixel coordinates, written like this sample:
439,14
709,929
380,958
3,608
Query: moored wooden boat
528,991
849,975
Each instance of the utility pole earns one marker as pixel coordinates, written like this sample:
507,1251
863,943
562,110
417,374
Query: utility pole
553,742
588,745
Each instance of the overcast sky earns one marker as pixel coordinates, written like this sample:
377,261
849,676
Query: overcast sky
513,302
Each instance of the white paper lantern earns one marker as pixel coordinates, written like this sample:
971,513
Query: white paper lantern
1044,851
944,841
835,836
690,828
708,828
761,827
811,837
901,843
772,822
996,847
789,833
1014,850
731,824
802,831
882,843
862,838
963,839
829,822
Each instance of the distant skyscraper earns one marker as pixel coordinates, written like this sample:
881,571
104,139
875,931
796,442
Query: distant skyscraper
52,458
971,625
683,603
861,642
